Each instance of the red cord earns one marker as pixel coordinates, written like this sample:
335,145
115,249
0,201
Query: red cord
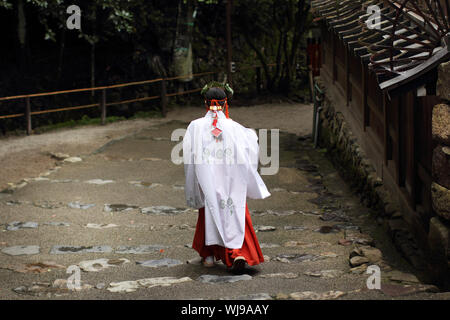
216,103
226,109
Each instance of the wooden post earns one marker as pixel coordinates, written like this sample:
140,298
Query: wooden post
347,76
163,97
333,66
28,115
103,107
400,164
386,130
366,111
258,79
412,156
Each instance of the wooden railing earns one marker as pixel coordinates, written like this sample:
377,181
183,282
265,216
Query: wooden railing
393,128
103,103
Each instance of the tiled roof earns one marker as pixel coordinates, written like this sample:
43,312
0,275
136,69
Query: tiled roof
399,40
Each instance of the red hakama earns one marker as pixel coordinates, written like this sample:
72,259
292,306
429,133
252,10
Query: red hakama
250,249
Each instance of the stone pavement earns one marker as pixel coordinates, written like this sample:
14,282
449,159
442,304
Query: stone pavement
118,218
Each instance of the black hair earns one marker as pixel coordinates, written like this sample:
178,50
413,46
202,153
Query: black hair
216,94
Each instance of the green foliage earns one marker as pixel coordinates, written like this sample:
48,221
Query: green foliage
274,30
119,17
5,4
119,14
88,121
215,84
132,40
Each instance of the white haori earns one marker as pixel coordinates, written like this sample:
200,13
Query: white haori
220,174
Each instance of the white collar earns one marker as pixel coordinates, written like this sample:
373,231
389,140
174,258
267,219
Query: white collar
211,114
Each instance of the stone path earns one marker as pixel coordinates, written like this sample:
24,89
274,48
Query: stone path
118,217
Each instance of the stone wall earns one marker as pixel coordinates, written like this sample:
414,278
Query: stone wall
439,232
346,153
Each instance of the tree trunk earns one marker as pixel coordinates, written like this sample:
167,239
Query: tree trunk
278,59
61,55
261,59
93,66
21,33
284,83
229,42
94,33
299,28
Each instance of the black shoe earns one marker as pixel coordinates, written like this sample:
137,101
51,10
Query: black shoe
238,265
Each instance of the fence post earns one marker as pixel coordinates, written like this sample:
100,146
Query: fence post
258,79
28,115
103,106
163,97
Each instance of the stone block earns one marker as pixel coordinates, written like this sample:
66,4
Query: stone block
443,83
441,166
441,124
439,236
438,240
440,197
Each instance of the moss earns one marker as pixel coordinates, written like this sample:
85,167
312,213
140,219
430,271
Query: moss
84,121
341,150
146,114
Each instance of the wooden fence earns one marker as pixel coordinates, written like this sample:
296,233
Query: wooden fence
103,103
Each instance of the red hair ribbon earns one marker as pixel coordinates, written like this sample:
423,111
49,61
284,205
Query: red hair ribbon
217,103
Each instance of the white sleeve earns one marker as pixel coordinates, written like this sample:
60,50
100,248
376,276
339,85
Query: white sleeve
256,189
192,190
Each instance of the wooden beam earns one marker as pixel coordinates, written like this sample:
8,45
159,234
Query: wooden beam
333,66
365,106
399,161
416,72
386,130
347,76
411,175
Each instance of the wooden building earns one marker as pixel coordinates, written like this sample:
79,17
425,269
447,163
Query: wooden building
379,66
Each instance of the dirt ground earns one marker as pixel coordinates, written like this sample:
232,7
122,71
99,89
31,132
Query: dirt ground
27,156
119,214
